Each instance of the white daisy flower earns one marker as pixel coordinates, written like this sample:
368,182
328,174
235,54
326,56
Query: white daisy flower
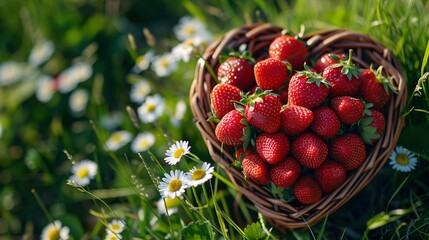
112,120
113,236
78,100
116,226
11,72
72,76
55,231
178,115
189,27
41,52
143,142
117,140
403,160
198,176
151,109
173,184
164,65
176,151
139,91
45,89
143,61
172,205
83,171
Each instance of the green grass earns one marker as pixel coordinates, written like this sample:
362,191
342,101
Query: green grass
34,135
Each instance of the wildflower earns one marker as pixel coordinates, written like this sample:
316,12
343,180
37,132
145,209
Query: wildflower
164,65
139,91
55,231
10,72
143,61
83,172
71,77
112,236
116,226
45,89
189,27
151,109
179,113
172,205
198,176
143,142
176,151
173,184
112,120
78,100
402,160
41,52
117,140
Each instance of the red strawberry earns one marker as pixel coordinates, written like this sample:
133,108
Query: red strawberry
283,94
290,49
222,99
327,60
310,150
344,78
271,74
262,110
349,150
372,127
307,190
285,173
272,147
237,72
375,88
307,89
295,119
330,175
230,129
349,109
256,169
326,123
240,153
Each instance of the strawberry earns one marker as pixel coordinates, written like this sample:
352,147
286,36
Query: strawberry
272,148
372,127
290,49
295,119
307,190
237,72
223,97
327,60
271,74
262,110
256,169
349,150
326,123
285,173
307,89
349,109
230,129
310,150
240,153
330,175
375,87
344,78
283,94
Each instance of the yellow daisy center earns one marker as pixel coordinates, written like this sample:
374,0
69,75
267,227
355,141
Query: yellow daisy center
151,107
165,63
198,174
178,153
402,159
172,202
116,137
116,227
143,144
54,234
82,173
174,185
190,30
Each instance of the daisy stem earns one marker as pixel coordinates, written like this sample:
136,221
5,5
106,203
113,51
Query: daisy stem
168,217
197,199
42,205
210,70
155,160
224,180
194,158
212,219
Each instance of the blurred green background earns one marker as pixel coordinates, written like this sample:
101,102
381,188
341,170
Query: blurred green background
34,134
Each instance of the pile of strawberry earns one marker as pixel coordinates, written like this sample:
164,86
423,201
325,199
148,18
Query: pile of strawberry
299,127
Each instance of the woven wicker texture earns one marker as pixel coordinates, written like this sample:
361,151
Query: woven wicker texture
258,37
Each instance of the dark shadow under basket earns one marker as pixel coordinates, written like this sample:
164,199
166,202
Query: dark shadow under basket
258,37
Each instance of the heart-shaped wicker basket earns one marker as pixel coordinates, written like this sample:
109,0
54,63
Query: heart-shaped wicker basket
258,37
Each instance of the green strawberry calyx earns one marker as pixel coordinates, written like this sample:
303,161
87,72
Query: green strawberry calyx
381,79
348,68
368,132
252,98
241,52
313,77
284,194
